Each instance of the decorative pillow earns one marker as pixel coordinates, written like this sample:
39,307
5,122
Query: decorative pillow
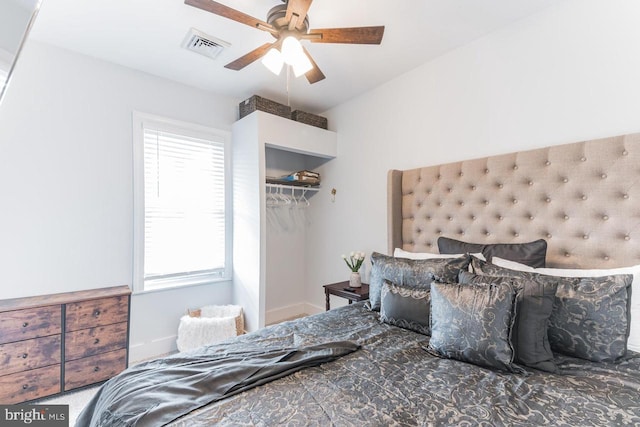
633,343
591,315
412,273
400,253
473,323
532,254
406,307
535,304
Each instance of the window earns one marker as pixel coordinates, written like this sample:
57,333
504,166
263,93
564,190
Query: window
181,232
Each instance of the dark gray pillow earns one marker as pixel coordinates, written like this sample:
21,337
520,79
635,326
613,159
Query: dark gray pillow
535,305
591,315
473,323
411,272
532,254
406,307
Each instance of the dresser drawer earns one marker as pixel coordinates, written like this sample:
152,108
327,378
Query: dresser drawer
102,339
36,322
29,354
93,369
29,385
97,312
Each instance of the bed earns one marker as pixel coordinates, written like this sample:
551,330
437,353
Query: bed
582,200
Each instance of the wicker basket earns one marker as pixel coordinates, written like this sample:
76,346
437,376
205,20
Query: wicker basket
221,311
309,119
256,102
208,325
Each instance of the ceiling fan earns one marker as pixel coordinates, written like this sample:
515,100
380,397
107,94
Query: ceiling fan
289,23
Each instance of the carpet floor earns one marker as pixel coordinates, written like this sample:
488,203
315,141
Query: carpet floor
76,400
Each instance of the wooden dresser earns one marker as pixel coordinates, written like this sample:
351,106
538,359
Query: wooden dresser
55,343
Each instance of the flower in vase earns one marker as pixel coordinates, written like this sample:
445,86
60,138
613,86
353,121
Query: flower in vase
354,260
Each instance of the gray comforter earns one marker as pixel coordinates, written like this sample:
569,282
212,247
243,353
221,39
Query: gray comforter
392,380
157,392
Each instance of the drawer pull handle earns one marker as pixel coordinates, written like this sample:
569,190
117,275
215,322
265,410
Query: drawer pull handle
25,324
97,340
96,369
24,356
25,386
96,313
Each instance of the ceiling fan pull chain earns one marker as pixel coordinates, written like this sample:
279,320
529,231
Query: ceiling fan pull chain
288,80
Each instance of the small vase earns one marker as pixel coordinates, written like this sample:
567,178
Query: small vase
354,280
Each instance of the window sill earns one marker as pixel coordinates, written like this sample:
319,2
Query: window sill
173,287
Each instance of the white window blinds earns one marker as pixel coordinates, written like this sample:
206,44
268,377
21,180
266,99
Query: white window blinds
184,207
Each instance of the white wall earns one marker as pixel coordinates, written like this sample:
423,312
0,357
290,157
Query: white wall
567,74
66,188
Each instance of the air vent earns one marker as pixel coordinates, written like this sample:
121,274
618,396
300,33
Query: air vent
199,42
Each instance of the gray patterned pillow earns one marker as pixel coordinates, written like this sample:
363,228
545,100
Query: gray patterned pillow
406,307
535,305
473,323
591,315
533,254
411,272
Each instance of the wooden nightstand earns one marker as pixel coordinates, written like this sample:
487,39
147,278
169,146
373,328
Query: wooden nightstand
340,289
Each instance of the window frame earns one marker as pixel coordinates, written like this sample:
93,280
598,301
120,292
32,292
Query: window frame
140,121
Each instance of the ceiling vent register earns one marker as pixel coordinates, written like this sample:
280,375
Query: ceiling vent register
204,44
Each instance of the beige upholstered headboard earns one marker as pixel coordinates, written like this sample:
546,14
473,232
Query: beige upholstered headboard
582,198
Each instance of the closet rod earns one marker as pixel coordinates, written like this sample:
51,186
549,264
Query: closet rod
292,187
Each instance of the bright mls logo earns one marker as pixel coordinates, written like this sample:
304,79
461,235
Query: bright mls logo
34,415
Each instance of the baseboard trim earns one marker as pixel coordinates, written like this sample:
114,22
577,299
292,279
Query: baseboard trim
152,349
313,309
281,314
289,312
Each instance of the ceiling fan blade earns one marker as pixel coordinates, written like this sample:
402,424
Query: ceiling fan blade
250,57
298,8
314,75
227,12
355,35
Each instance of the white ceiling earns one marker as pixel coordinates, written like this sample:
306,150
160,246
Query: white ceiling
146,35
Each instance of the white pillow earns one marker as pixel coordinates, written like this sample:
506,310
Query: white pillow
399,253
634,334
512,265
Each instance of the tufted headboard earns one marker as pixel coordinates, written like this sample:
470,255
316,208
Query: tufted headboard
582,198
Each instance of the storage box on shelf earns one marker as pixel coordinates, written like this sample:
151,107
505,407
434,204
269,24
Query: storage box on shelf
258,103
310,119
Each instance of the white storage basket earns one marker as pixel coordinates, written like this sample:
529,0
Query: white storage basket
208,325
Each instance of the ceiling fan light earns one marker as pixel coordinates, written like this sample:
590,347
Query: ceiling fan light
302,65
291,50
273,61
